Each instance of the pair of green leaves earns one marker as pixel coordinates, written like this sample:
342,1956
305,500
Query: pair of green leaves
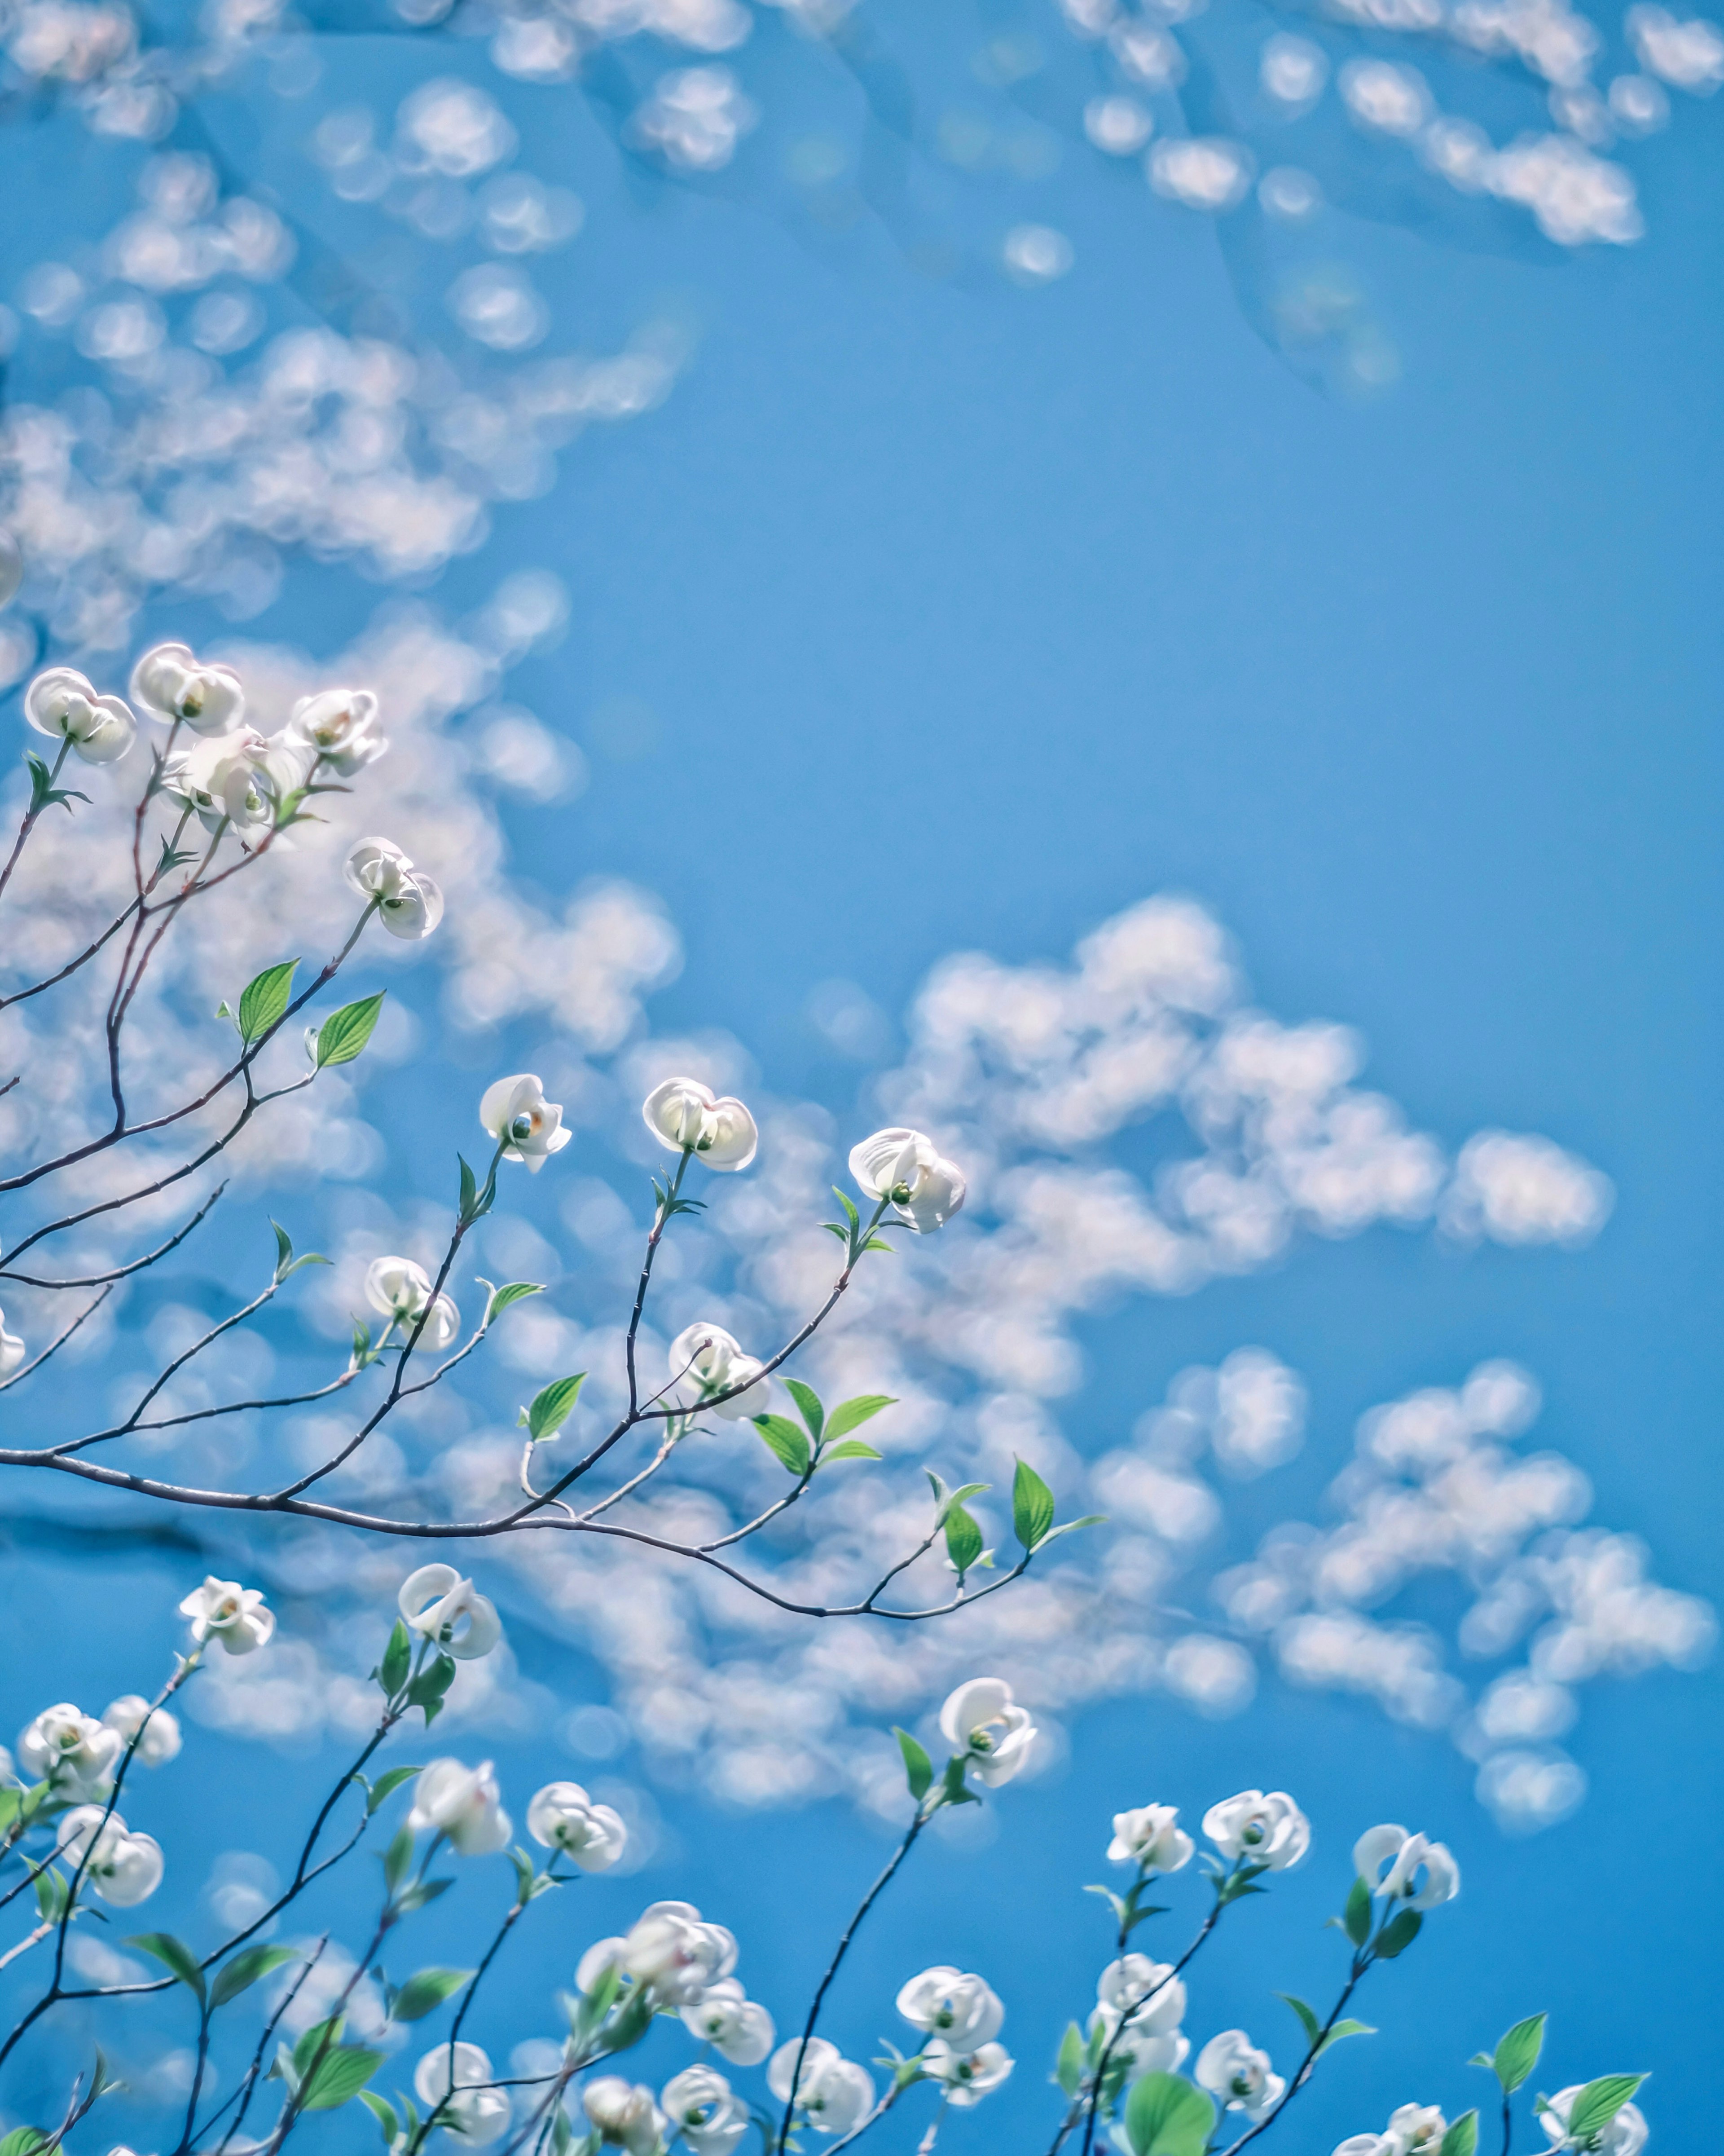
234,1975
425,1992
426,1691
1032,1518
850,1233
1315,2036
919,1772
321,2071
263,1005
825,1441
1516,2053
45,795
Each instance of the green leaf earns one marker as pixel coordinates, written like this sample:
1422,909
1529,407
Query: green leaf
551,1407
1069,2068
1398,1933
385,1786
851,1414
1167,2116
953,1788
343,1034
963,1539
1032,1506
397,1660
416,1897
320,2035
247,1966
425,1992
786,1440
1597,2103
397,1857
1343,2029
1308,2020
44,792
1356,1915
429,1687
853,1448
850,1213
173,1954
340,2078
52,1893
24,2140
1518,2052
265,1000
469,1189
808,1405
516,1292
384,2114
1462,2138
1071,1526
918,1767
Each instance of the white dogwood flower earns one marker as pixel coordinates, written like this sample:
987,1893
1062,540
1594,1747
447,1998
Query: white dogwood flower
223,1609
61,703
400,1291
453,2089
961,2008
1415,2130
171,685
1151,1838
675,1953
528,1127
69,1750
832,2091
737,2028
966,2076
409,903
124,1868
689,1116
625,2114
12,1350
1405,1855
435,1600
1150,2051
1238,2076
707,1359
339,725
703,2107
1270,1830
462,1804
563,1816
1624,2136
227,779
981,1721
159,1740
924,1189
1147,1991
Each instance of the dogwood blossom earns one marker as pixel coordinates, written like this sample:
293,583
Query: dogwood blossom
12,1350
124,1868
995,1735
173,686
703,2107
736,2027
70,1750
968,2077
527,1126
223,1609
563,1816
60,702
1405,1855
1147,1991
432,1602
832,2091
1624,2136
706,1357
690,1117
962,2009
409,903
462,1804
400,1291
1238,2076
1415,2130
160,1739
904,1166
625,2114
237,778
1270,1830
673,1952
452,2087
1151,1838
1148,2051
340,724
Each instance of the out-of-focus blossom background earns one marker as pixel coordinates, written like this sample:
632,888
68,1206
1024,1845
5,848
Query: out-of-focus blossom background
1132,587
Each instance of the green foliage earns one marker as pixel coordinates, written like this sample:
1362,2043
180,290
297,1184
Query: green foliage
1356,1917
918,1767
1516,2052
244,1969
1398,1933
424,1992
397,1859
1597,2103
338,2078
52,1894
384,2114
1462,2138
1069,2068
45,795
344,1034
285,1261
851,1448
1167,2116
501,1297
173,1954
851,1414
787,1441
963,1539
1032,1506
428,1688
24,2140
385,1786
391,1672
263,1002
807,1406
474,1202
551,1407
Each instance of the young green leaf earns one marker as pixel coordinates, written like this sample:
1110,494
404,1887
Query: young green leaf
264,1001
173,1954
1032,1506
552,1406
963,1538
397,1857
384,2114
428,1688
1398,1933
1462,2138
1343,2029
244,1969
851,1414
918,1767
24,2140
501,1297
1307,2021
387,1785
339,2078
852,1448
427,1889
469,1189
807,1406
344,1034
1167,2116
1518,2052
1356,1915
1069,2070
52,1893
398,1660
786,1440
1071,1526
423,1994
1597,2103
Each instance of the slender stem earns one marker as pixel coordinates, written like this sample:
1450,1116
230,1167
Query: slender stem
31,814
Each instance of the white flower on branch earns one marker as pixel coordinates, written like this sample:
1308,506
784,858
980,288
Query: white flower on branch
1415,2130
924,1189
1270,1830
401,1290
1147,1990
675,1953
227,779
409,903
1238,2076
982,1721
12,1350
528,1127
966,2076
1624,2136
339,725
832,2091
60,702
171,685
1151,1838
563,1816
161,1739
706,1354
687,1116
223,1609
1150,2052
1406,1855
432,1602
454,2076
947,2003
736,2027
69,1750
703,2107
624,2114
462,1804
124,1868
